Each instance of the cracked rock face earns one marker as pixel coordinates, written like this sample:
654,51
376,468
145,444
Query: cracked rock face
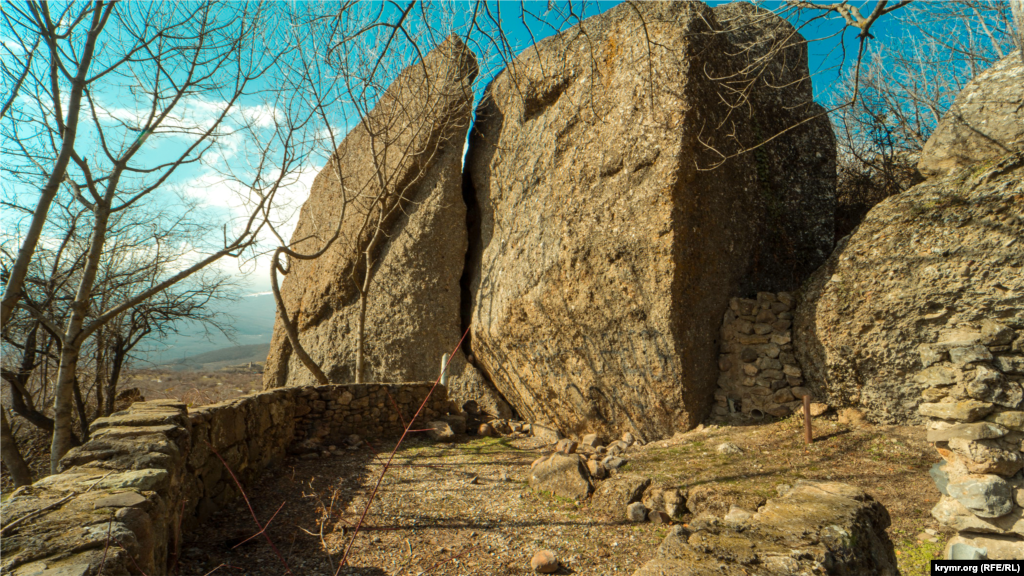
413,306
611,220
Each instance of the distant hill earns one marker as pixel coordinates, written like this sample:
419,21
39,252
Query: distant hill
233,355
252,318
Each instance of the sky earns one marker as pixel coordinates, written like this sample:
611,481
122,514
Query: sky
218,184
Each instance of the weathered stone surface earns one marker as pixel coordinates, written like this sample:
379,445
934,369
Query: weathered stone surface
985,495
955,515
413,309
668,500
717,499
441,431
965,411
986,121
805,532
636,512
613,495
976,431
989,385
563,475
605,255
987,456
1012,419
996,547
865,322
1010,364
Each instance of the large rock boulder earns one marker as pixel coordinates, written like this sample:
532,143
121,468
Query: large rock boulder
816,528
986,121
612,215
412,142
944,255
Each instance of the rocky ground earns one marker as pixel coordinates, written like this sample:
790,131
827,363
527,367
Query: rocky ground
466,507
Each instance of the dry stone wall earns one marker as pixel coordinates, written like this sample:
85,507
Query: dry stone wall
758,370
123,498
972,399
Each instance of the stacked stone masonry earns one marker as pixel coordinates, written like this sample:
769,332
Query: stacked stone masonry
122,499
758,371
971,387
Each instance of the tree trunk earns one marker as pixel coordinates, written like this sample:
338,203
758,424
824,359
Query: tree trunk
16,465
83,418
63,405
63,402
1017,9
360,337
115,377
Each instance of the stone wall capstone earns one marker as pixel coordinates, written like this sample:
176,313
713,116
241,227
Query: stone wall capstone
122,499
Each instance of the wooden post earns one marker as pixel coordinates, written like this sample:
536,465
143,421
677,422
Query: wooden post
807,419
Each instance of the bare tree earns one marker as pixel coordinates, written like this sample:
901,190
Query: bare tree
193,81
905,86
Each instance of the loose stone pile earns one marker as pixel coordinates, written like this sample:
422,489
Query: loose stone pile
971,386
759,372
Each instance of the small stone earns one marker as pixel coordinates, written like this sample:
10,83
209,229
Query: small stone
934,394
969,354
592,440
940,477
929,355
750,369
1010,364
544,562
612,463
800,392
549,435
596,469
818,408
995,334
762,329
658,517
440,430
728,448
566,446
636,512
782,396
486,430
1013,420
936,376
738,515
790,370
628,439
748,355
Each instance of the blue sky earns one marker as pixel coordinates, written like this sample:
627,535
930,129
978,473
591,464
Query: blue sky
206,182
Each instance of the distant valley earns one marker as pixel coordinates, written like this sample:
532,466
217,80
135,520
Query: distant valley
195,348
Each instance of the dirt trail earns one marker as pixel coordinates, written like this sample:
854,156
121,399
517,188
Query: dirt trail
466,509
